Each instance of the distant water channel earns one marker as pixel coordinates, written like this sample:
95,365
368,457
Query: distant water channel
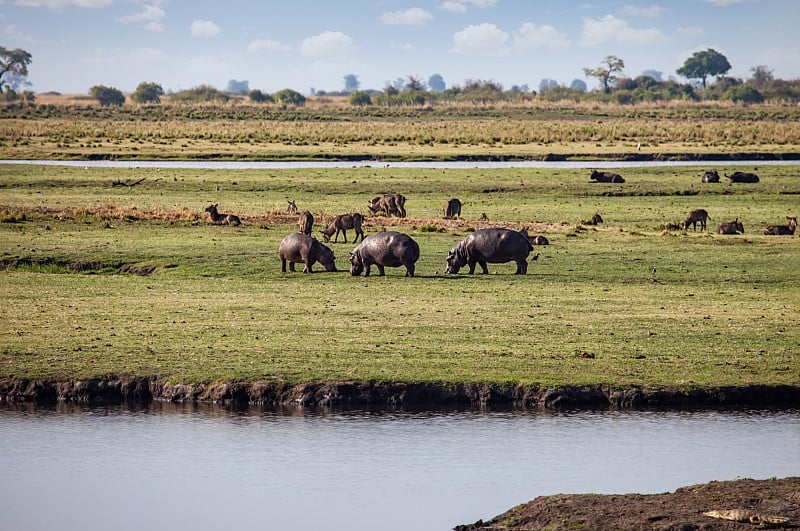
283,165
167,466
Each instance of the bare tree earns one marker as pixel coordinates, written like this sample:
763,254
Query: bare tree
607,72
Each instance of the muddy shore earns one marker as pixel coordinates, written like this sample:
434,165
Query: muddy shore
375,394
757,504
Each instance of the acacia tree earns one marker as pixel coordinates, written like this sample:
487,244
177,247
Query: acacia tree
703,64
14,61
148,93
607,72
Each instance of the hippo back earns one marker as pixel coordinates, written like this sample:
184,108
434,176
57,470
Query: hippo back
389,248
493,245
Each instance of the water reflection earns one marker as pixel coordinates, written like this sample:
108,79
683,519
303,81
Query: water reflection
207,466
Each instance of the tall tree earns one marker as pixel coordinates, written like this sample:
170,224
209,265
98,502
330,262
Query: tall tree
14,61
351,83
761,74
436,83
607,72
148,93
703,64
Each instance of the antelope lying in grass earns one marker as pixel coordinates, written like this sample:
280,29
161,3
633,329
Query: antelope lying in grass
782,230
222,219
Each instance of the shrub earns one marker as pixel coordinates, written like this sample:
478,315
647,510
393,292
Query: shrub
744,94
107,96
359,98
199,94
148,93
290,97
257,96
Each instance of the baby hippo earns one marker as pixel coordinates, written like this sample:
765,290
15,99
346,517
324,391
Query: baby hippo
384,249
298,247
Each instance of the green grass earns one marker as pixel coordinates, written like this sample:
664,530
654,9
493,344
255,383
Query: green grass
214,305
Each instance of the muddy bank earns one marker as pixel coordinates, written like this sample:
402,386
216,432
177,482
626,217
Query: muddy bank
771,503
376,394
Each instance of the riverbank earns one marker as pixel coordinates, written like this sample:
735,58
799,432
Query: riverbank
392,394
754,503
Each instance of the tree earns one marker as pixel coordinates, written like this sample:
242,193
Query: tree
744,94
655,74
436,83
351,83
14,62
257,96
107,96
547,84
578,84
289,97
606,72
703,64
359,98
238,87
148,93
414,83
761,75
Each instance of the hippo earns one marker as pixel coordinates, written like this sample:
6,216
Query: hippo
384,249
606,177
495,246
298,247
742,177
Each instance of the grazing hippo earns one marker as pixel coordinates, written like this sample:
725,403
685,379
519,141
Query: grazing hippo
384,249
298,247
453,209
490,245
606,177
742,177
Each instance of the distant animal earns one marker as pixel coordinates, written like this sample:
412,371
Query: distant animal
710,177
222,219
389,204
782,230
306,222
595,220
302,248
453,209
733,227
606,177
340,224
695,217
484,217
384,249
494,245
742,177
538,240
292,208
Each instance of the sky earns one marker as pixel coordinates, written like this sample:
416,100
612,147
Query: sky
311,46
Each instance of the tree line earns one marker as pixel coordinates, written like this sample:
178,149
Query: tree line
614,87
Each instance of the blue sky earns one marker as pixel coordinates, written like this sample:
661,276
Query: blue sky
303,44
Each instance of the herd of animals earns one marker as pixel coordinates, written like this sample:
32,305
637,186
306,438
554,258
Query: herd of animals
483,246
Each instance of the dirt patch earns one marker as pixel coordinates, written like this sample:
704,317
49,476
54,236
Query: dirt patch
759,503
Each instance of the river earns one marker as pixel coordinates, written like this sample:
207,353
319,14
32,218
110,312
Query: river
167,466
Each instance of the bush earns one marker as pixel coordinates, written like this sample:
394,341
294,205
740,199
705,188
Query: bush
148,93
744,94
107,96
359,98
200,94
290,97
257,96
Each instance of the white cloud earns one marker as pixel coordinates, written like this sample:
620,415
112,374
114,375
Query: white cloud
611,29
645,12
483,39
546,36
267,45
328,46
414,17
461,6
58,5
204,28
150,19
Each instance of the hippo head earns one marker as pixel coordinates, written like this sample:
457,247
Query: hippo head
356,264
454,262
327,259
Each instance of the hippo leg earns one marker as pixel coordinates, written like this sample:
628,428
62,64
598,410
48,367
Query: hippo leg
522,267
367,267
409,270
283,265
484,268
381,271
471,268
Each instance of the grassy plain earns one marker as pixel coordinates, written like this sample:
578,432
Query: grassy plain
101,280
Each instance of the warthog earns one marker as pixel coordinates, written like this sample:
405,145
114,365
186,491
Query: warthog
301,248
733,227
222,219
306,222
742,177
389,204
340,224
606,177
710,177
384,249
494,246
695,217
453,209
782,230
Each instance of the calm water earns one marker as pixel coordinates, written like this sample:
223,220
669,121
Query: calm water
278,165
207,467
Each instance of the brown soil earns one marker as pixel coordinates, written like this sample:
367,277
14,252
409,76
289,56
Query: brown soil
680,510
